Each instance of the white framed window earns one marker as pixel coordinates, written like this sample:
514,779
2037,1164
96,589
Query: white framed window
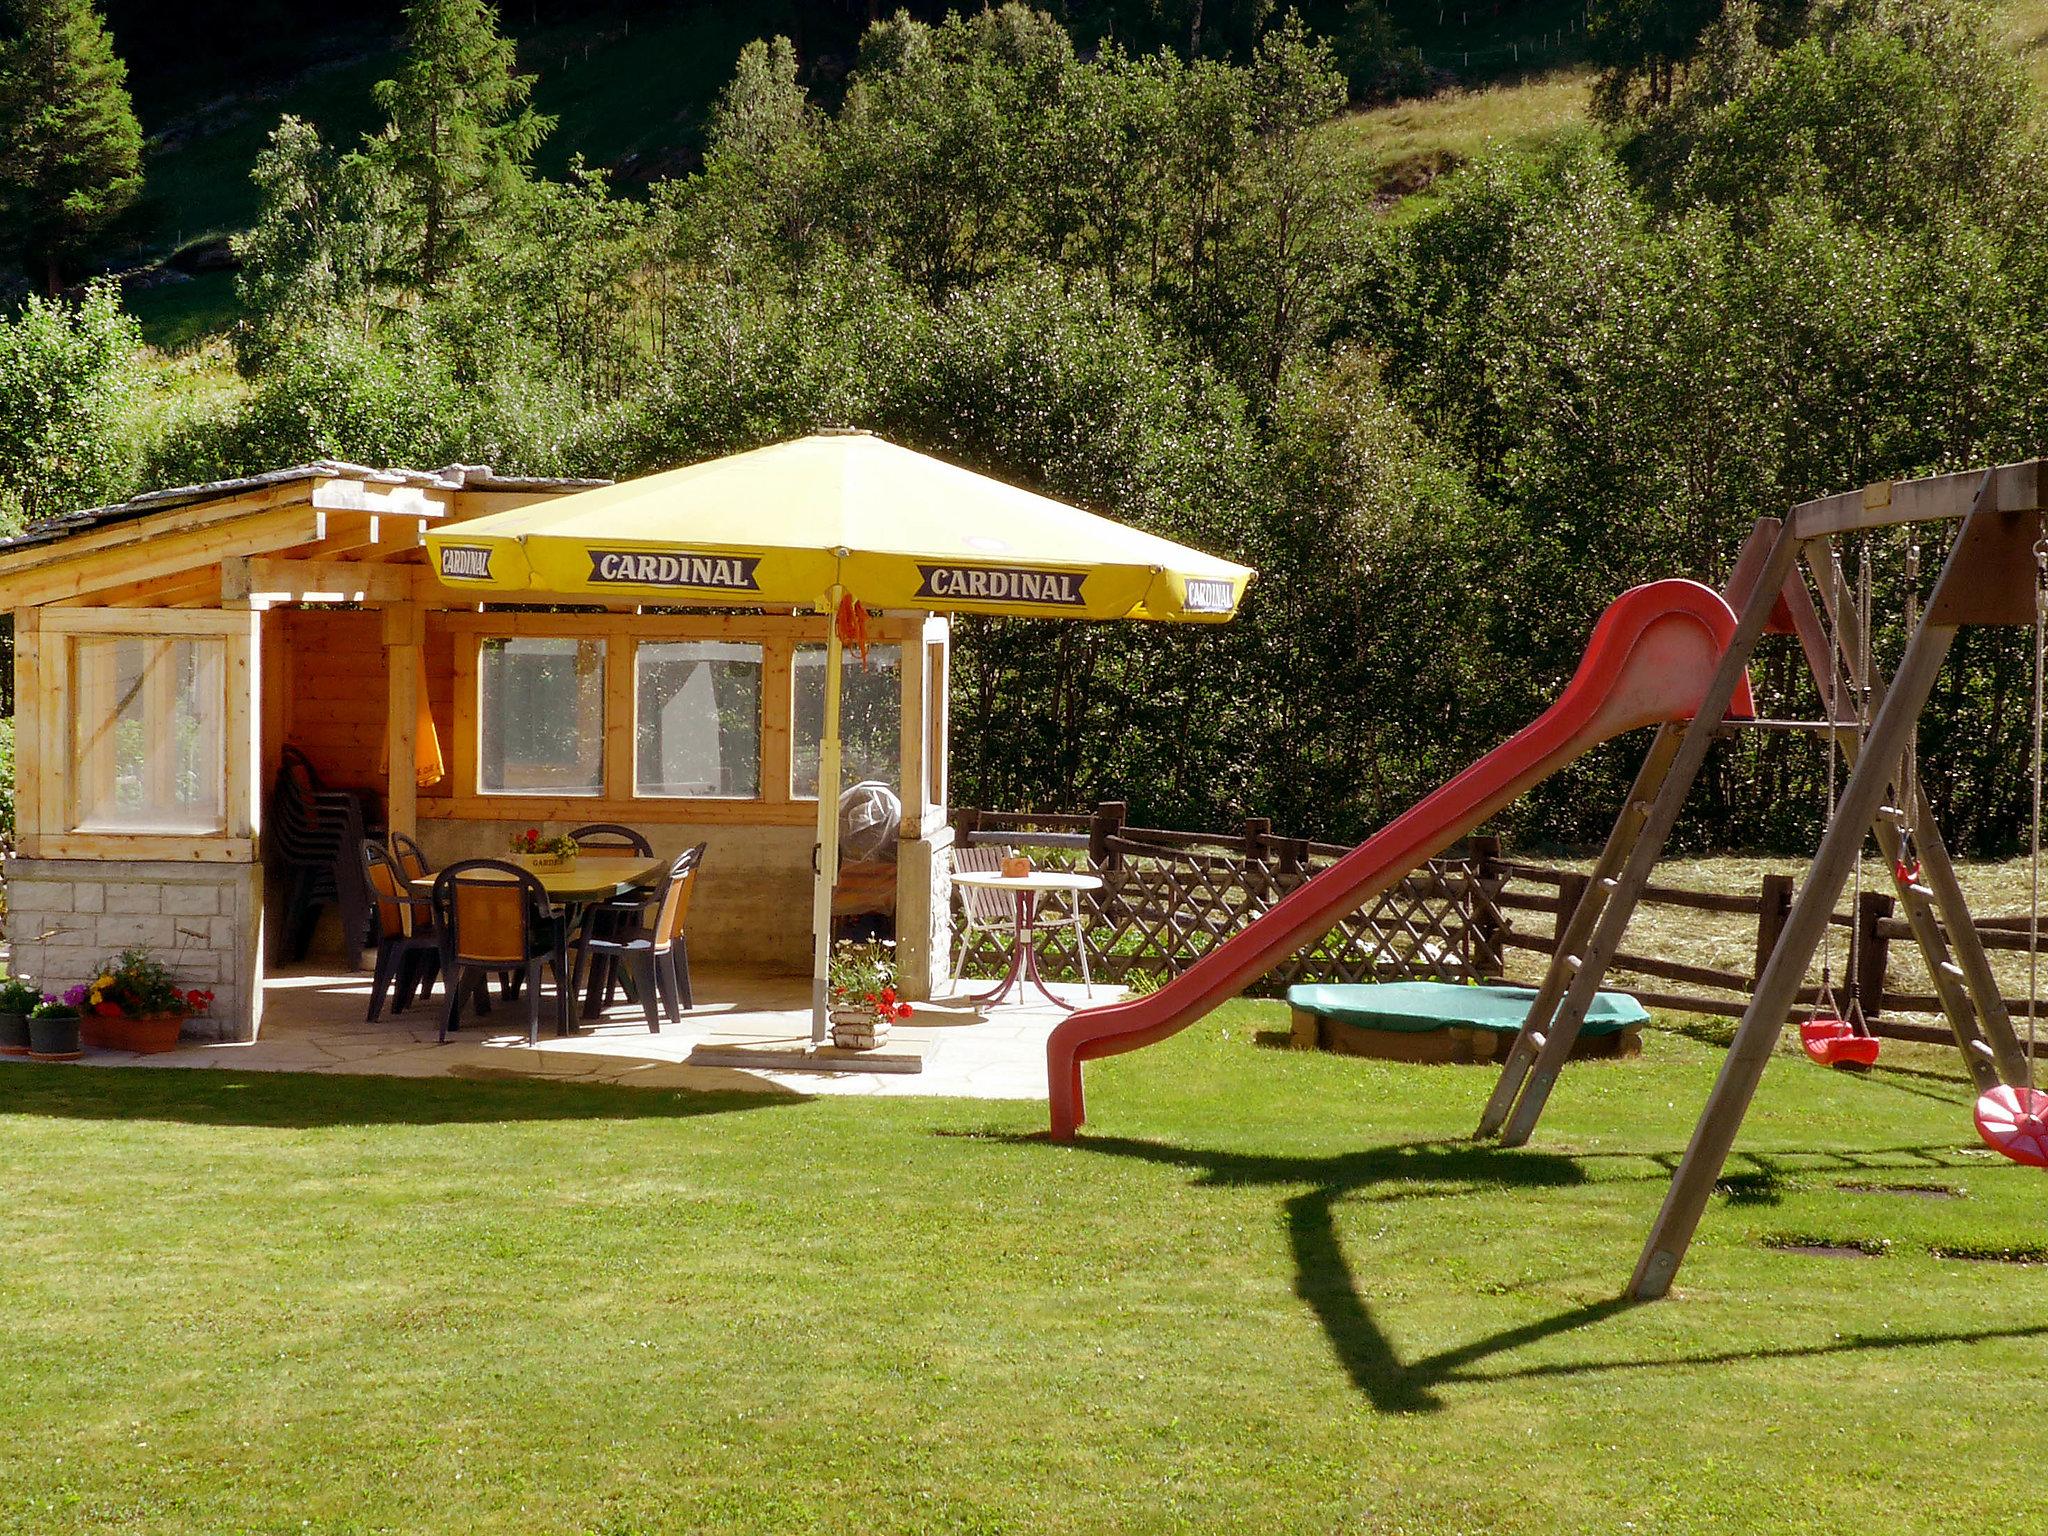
697,719
870,718
148,734
541,716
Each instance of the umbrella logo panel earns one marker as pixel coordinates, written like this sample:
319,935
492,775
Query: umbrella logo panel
701,572
1002,584
465,562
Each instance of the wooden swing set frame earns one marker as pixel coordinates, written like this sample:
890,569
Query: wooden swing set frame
1988,579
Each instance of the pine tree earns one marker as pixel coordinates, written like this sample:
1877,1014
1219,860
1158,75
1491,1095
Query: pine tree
70,147
458,146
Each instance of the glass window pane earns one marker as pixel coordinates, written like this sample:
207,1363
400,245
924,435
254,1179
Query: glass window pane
935,724
540,717
870,718
146,734
697,719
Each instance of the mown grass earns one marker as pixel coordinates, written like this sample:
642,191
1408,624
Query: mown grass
1267,1290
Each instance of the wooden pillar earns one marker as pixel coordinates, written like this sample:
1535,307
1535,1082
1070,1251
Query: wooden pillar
404,632
1106,823
1873,950
1483,914
1774,904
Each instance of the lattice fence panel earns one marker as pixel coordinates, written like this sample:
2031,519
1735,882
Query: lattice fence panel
1162,908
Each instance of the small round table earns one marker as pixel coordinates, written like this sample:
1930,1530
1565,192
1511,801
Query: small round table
1023,954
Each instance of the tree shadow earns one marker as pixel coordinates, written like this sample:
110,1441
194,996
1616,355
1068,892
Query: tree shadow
1328,1284
320,1100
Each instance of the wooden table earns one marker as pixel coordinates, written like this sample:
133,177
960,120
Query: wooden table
1023,953
592,877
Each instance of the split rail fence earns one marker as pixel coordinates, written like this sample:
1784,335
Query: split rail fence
1168,897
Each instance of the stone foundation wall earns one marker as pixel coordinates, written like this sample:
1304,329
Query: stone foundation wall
924,914
67,916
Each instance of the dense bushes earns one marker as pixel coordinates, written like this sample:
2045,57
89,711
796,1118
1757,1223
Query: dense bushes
1149,285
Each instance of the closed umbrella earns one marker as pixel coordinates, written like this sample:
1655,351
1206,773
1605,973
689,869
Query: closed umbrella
828,521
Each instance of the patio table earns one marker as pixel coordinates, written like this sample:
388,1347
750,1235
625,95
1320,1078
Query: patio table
575,888
593,877
1023,953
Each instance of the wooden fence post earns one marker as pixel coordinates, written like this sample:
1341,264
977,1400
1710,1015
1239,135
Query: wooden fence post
1106,823
1873,950
1571,890
965,819
1774,905
1482,909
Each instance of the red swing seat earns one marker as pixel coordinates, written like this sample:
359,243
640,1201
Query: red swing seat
2014,1123
1833,1042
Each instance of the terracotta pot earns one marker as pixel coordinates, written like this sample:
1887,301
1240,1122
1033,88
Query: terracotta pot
54,1039
13,1034
148,1036
1014,867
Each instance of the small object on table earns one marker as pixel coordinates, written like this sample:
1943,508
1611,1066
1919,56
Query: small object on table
1014,866
1026,889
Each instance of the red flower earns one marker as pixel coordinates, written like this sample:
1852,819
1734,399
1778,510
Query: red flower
903,1010
108,1010
889,997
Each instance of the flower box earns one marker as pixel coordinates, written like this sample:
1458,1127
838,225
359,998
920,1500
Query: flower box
541,861
13,1034
118,1032
1014,866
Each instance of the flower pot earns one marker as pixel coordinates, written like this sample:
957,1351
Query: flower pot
54,1039
13,1034
538,861
858,1029
1014,866
118,1032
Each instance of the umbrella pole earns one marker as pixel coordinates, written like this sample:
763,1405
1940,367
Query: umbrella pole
828,819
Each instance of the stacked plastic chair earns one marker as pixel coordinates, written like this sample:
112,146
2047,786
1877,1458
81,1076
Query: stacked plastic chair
316,840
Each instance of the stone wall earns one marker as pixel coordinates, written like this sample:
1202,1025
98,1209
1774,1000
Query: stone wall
924,913
752,907
67,916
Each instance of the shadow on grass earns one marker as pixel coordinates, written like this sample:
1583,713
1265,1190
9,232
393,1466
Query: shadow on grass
315,1100
1327,1283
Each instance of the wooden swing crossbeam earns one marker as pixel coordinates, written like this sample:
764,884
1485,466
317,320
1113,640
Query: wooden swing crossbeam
1987,579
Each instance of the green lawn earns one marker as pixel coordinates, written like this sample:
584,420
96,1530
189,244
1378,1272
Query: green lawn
1267,1291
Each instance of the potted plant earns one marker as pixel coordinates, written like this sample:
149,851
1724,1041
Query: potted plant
537,852
18,999
860,993
136,1004
53,1027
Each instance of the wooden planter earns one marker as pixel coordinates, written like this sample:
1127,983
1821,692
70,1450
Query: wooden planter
540,861
13,1034
858,1029
147,1037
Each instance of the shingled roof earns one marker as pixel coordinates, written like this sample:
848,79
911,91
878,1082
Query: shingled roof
453,477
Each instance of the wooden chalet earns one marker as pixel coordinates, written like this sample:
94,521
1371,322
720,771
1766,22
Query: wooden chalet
169,649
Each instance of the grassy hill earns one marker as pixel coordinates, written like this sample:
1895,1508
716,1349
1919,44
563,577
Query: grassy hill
631,92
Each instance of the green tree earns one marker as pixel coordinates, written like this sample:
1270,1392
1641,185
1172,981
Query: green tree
70,148
67,382
312,257
457,147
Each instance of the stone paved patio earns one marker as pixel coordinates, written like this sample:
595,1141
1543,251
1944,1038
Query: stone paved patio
313,1022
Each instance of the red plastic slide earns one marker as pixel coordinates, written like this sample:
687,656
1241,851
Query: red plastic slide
1649,661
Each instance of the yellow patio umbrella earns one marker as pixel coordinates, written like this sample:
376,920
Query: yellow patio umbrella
840,515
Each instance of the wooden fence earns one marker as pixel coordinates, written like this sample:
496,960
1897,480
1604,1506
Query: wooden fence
1167,898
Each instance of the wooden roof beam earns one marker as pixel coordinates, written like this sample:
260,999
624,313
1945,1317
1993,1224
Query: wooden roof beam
2021,487
89,572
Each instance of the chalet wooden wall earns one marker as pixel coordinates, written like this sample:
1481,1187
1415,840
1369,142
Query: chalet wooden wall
326,685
